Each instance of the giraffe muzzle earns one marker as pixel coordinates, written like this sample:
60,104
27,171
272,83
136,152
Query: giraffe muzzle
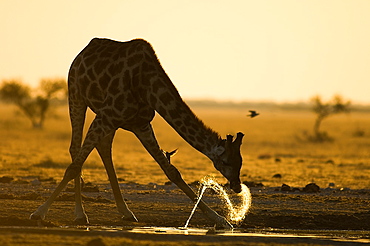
236,187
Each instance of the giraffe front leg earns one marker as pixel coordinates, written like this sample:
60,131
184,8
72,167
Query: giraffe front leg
174,175
147,138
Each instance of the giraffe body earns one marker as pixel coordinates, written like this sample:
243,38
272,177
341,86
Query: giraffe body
124,84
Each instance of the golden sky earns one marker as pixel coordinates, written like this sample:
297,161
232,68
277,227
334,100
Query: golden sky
280,50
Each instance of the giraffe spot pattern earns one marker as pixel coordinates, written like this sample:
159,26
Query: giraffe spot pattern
124,82
134,60
166,98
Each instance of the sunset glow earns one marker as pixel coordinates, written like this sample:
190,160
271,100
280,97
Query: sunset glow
228,50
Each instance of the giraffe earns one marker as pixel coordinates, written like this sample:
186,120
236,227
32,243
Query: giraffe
124,84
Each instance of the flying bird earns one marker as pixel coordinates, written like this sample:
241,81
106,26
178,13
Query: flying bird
252,113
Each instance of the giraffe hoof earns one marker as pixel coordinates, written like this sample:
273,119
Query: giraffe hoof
222,223
130,218
224,226
81,221
35,216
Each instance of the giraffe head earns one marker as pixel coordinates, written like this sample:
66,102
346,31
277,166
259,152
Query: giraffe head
229,160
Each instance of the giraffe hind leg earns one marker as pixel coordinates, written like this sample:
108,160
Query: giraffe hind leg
105,151
77,115
81,216
41,211
96,133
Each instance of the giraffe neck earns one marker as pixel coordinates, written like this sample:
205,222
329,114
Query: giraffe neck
161,95
169,104
191,128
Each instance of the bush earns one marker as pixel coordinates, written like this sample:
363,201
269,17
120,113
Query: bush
323,110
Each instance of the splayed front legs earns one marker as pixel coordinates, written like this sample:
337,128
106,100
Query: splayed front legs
147,138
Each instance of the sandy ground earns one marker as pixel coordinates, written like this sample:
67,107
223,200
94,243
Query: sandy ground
335,213
35,161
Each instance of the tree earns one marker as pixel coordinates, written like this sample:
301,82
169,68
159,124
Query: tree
51,88
323,110
34,107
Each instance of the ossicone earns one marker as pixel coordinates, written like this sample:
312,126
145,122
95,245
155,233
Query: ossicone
237,141
239,137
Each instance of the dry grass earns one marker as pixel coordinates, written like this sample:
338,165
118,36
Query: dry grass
270,146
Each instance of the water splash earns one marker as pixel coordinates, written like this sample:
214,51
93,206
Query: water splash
235,214
201,192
